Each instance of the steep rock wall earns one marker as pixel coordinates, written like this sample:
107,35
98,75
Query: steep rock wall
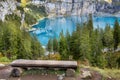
81,7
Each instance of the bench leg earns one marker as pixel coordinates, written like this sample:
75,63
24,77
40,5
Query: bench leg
70,73
16,72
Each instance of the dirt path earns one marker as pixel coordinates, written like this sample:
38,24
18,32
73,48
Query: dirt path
41,77
5,73
36,77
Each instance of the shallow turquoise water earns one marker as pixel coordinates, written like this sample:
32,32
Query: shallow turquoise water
51,27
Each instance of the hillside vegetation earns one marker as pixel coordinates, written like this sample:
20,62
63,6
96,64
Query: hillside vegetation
94,47
16,43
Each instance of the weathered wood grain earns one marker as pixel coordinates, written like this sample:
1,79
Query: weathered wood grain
44,63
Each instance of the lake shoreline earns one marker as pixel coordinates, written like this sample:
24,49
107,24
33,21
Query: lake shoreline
98,14
48,28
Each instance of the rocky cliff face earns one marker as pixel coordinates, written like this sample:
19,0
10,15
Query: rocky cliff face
105,7
70,7
7,7
66,7
81,7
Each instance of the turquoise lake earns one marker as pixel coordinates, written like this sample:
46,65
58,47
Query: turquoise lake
51,27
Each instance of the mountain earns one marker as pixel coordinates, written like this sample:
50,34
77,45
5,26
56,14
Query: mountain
80,7
62,7
28,13
7,7
105,7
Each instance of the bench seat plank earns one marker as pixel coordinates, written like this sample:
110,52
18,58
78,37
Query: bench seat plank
44,63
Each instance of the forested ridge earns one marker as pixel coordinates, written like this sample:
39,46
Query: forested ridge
16,42
89,45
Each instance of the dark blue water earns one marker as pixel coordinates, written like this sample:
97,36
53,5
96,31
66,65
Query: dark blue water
51,27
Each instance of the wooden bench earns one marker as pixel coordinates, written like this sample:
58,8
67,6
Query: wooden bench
44,63
17,64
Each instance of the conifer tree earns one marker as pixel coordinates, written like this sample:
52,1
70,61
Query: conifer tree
108,37
50,45
63,46
75,45
90,24
68,42
116,34
97,57
55,45
36,48
85,47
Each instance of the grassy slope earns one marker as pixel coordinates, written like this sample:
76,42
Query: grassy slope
111,73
